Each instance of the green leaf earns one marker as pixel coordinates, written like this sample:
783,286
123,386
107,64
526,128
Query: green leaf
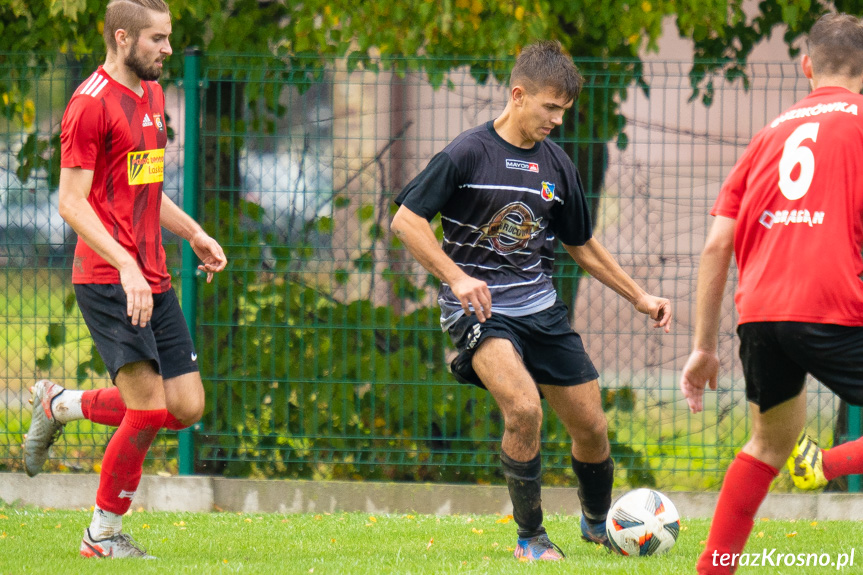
365,263
56,335
45,362
376,232
68,8
622,141
366,212
325,225
341,276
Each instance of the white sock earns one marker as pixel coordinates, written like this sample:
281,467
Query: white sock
105,524
66,406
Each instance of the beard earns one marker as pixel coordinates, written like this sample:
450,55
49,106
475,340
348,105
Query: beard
149,73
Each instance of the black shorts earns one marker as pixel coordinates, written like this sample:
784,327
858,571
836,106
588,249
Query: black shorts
551,350
165,340
777,356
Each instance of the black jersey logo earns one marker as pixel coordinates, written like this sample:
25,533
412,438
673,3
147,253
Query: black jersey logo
510,228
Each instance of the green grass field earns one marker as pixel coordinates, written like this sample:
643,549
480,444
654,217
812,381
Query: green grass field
46,541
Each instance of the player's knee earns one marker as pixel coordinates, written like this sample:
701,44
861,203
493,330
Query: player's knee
591,431
524,418
189,412
773,450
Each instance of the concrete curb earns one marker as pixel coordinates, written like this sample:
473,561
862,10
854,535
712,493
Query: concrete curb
196,493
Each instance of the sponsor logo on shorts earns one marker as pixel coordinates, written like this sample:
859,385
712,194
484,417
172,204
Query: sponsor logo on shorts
522,165
511,228
194,356
146,167
473,336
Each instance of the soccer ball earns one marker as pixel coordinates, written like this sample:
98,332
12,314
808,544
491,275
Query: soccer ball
642,522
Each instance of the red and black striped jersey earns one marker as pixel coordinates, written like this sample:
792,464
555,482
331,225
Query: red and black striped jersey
121,137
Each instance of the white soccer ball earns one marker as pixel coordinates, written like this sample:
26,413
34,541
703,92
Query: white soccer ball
642,522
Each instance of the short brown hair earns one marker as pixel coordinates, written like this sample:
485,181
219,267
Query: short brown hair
836,45
545,65
131,16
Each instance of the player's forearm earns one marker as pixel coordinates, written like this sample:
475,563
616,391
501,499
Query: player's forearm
712,276
79,214
416,234
599,263
176,221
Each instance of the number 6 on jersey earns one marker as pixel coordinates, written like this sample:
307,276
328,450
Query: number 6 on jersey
796,153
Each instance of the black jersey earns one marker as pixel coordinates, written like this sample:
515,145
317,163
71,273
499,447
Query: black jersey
501,209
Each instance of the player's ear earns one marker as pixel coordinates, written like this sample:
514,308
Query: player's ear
517,94
121,37
806,64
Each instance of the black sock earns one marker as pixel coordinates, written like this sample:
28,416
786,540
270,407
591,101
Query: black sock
595,481
523,478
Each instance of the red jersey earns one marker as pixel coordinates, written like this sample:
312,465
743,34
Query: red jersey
109,129
797,196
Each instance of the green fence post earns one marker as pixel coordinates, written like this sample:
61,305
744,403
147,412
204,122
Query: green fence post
191,136
853,433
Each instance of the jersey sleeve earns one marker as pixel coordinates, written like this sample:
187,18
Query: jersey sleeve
731,194
571,222
427,193
81,133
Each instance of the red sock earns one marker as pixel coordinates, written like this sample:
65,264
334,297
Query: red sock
173,423
105,406
844,459
123,462
744,488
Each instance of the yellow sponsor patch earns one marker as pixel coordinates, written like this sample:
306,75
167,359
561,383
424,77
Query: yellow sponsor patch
146,167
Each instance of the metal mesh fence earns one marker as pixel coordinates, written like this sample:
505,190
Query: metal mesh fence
320,345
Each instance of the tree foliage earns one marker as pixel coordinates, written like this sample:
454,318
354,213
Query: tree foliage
463,32
462,29
373,34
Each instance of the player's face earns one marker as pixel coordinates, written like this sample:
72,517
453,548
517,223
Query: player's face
150,48
542,112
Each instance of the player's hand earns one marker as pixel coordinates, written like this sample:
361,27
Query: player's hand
474,296
658,308
701,368
210,252
139,295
